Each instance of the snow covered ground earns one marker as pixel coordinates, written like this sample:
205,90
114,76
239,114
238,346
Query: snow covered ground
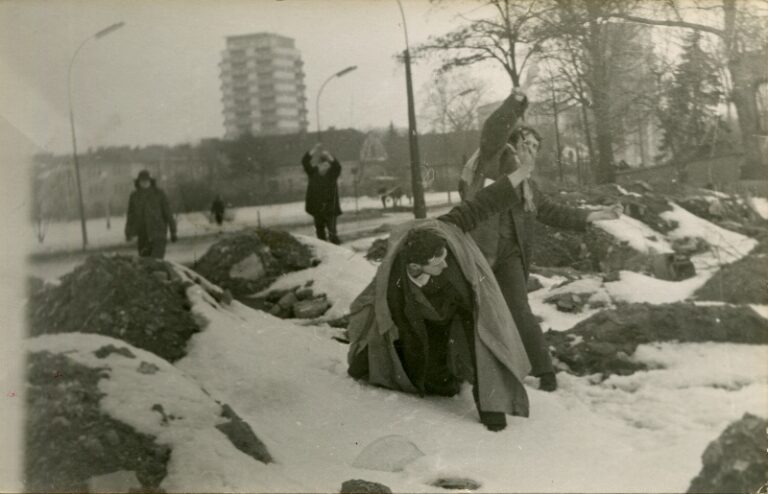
640,433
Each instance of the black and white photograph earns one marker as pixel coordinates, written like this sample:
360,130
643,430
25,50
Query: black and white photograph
384,246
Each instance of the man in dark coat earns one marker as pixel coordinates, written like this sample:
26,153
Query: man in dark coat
506,240
149,217
434,315
322,200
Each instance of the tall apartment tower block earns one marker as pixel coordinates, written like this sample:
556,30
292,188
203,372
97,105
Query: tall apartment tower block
262,84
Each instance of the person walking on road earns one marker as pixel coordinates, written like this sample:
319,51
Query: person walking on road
322,199
149,217
217,209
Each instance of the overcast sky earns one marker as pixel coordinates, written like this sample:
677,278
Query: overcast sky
156,80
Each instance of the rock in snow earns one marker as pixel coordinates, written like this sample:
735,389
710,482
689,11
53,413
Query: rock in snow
359,486
737,460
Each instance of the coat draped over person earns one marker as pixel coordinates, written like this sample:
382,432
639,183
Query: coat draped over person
500,359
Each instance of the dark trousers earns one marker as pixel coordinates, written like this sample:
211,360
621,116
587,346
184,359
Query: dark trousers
219,217
511,278
327,222
151,246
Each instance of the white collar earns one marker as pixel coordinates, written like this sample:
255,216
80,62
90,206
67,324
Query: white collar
420,280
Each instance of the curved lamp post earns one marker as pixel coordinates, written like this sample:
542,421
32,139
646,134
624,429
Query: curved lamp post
340,73
417,187
98,35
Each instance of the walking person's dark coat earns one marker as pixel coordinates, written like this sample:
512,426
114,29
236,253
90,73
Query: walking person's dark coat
322,199
149,217
217,210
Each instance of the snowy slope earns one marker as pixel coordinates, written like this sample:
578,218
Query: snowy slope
640,433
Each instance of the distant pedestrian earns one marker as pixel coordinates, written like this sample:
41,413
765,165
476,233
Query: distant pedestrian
217,210
149,217
322,200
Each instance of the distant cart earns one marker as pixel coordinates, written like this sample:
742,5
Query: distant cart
388,189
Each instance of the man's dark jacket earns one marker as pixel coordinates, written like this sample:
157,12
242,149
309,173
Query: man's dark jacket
149,215
322,190
516,225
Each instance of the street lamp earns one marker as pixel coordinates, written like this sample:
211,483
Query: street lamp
340,73
104,32
417,187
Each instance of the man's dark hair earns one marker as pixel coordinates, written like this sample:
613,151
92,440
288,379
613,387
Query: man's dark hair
521,130
421,245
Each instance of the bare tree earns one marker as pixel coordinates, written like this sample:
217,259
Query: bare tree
509,38
450,102
594,53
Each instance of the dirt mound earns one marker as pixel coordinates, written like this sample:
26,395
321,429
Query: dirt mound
250,261
735,461
604,342
742,282
139,300
591,251
644,204
377,250
68,439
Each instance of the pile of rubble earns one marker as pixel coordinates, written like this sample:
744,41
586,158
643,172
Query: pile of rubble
248,262
605,342
300,302
139,300
736,461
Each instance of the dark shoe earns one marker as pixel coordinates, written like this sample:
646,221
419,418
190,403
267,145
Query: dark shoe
548,382
493,421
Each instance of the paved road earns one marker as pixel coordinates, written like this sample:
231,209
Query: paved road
187,250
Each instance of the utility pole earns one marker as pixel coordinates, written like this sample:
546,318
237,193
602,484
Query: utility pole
417,187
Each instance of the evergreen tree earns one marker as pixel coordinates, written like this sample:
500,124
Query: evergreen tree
688,110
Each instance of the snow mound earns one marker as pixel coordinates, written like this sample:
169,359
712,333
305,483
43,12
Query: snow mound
637,234
760,206
727,246
153,397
